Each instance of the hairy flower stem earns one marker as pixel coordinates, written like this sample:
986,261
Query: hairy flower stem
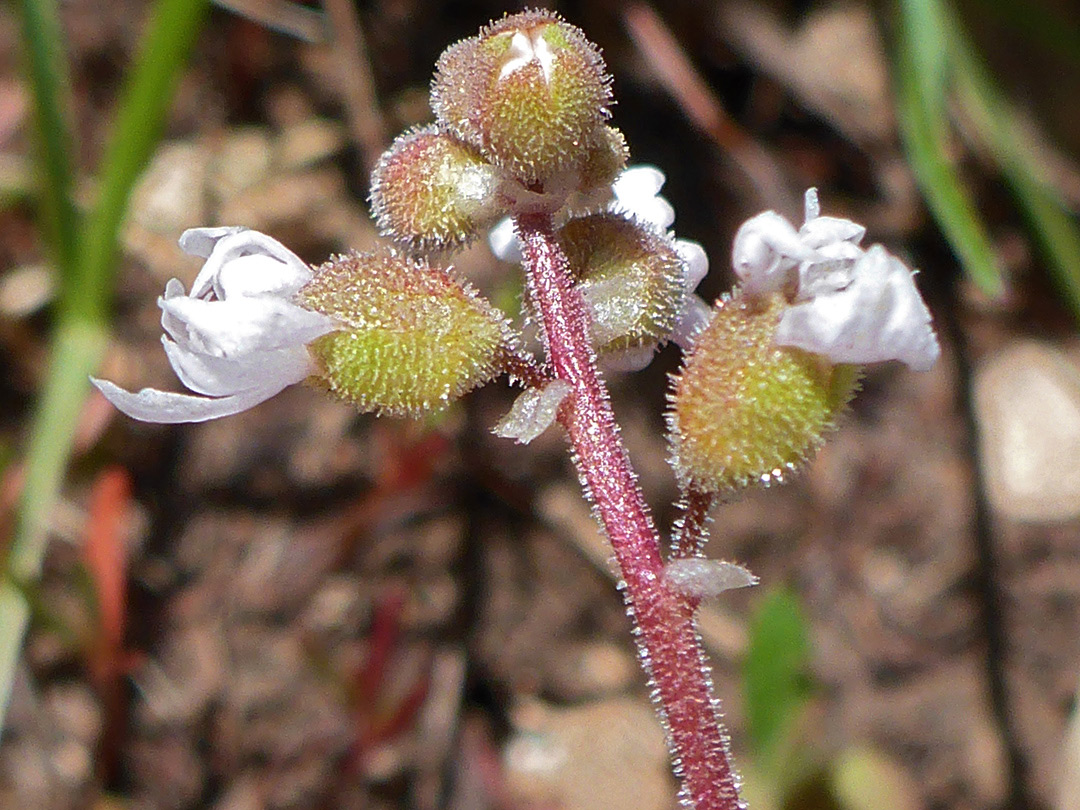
664,625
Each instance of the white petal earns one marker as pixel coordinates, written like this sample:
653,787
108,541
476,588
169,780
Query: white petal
257,274
638,182
702,578
533,412
696,260
817,233
636,193
221,376
243,242
654,211
832,270
503,241
166,408
200,241
879,317
694,317
237,326
766,250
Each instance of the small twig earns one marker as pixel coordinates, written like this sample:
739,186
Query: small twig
671,66
366,121
283,16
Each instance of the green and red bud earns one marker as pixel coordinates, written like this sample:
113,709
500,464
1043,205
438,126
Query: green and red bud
605,160
745,410
431,192
530,92
414,337
631,278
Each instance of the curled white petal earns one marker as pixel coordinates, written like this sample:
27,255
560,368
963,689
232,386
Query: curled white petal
258,274
637,193
880,316
167,408
696,261
766,251
220,376
655,211
533,412
200,241
238,326
693,317
229,244
702,578
823,231
638,182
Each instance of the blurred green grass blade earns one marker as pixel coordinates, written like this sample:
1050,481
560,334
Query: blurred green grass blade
82,318
926,143
144,105
924,34
775,671
77,350
1043,208
46,68
14,617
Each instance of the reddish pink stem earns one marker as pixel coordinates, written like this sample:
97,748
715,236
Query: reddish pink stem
667,641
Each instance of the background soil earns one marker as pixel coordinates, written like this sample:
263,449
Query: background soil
325,610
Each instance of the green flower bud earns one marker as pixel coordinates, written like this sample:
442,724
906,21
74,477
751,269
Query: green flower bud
430,192
530,92
631,278
745,410
414,337
604,161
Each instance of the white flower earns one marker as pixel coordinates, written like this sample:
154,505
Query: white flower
850,304
238,338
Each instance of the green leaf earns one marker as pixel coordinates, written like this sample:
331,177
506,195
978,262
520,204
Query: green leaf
775,678
926,143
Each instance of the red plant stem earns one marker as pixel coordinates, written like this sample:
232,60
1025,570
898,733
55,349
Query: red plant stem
692,529
664,625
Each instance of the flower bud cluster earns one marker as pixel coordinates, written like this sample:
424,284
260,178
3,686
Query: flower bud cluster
521,127
521,112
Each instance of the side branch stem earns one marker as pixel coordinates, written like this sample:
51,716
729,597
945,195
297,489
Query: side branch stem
664,626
